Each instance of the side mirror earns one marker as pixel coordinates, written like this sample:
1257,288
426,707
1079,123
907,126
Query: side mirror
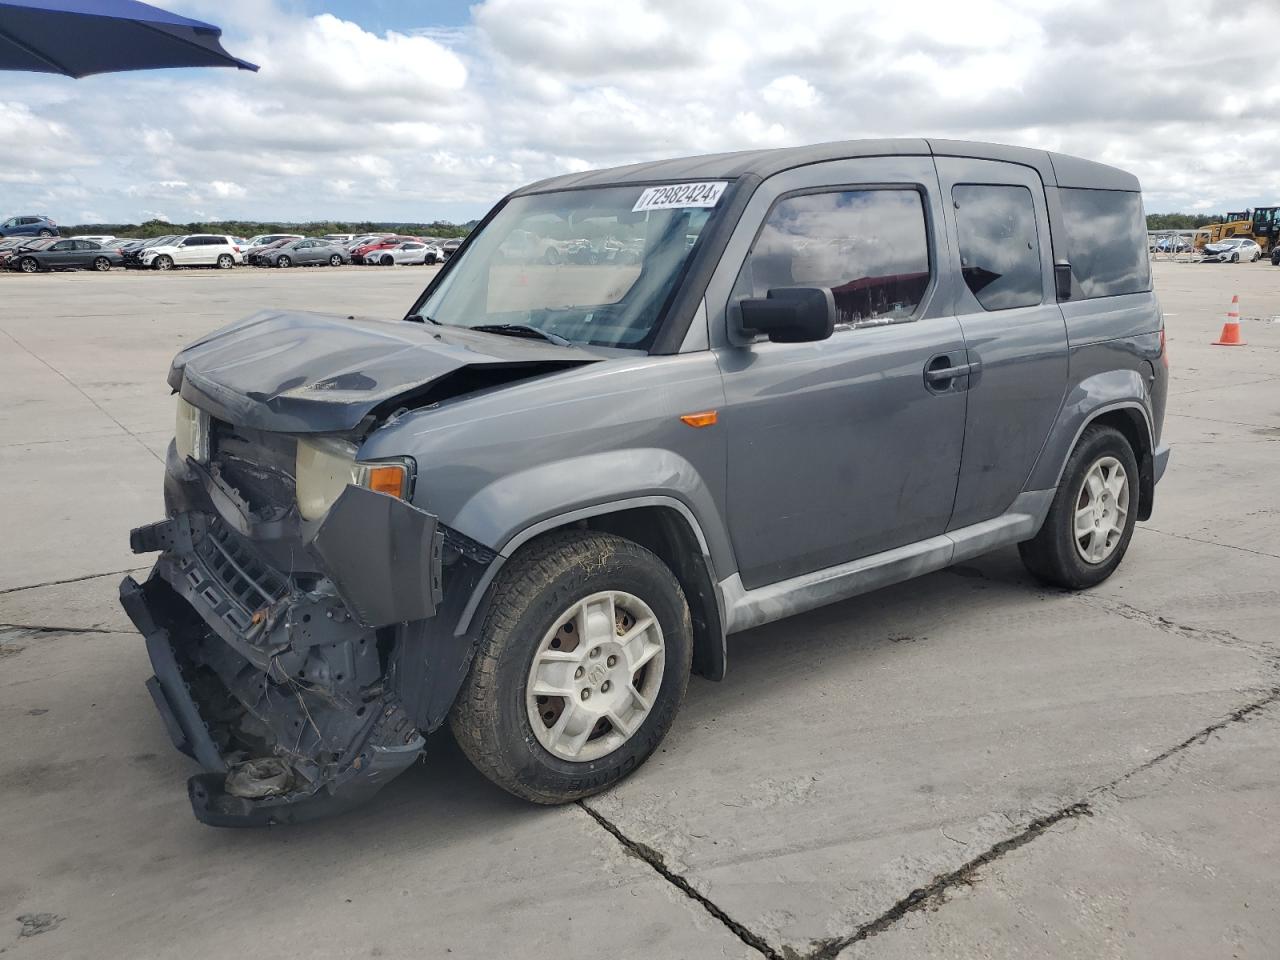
1062,280
791,314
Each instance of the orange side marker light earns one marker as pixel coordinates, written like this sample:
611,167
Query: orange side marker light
704,418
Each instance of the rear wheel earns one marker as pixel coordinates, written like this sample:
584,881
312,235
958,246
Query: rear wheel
1091,521
46,233
102,264
163,262
583,661
335,261
226,261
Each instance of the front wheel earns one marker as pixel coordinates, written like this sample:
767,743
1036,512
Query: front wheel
386,261
284,261
583,661
163,262
1091,520
27,265
1235,258
102,264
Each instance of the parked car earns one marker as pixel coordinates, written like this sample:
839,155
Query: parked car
533,506
197,250
103,238
255,256
409,252
361,254
133,250
1173,244
264,238
9,245
57,254
28,226
1233,250
450,247
305,253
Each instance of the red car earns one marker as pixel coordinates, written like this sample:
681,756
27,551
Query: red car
359,253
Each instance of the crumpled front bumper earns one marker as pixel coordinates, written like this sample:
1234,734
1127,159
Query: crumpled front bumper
263,668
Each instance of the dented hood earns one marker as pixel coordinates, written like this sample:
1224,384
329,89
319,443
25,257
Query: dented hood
315,373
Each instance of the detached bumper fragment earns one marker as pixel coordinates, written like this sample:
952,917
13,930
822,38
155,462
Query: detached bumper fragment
275,683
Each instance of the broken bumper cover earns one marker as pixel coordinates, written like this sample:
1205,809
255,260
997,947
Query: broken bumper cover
276,683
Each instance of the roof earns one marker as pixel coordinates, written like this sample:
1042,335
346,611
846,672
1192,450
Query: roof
1054,168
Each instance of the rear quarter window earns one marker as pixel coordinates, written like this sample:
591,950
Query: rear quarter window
1106,241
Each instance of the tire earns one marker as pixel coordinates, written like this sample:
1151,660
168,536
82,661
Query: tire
536,592
552,256
284,261
102,264
387,261
1255,258
45,233
1055,555
27,265
226,261
335,261
163,262
1235,258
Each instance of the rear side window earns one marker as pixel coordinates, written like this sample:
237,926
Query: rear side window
999,245
869,246
1106,241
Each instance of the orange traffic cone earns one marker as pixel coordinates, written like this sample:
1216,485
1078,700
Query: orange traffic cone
1230,336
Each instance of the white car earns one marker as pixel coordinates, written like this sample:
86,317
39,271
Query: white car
1233,250
197,250
411,251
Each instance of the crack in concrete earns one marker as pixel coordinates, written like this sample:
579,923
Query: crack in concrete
1268,654
1212,543
55,583
936,889
655,860
934,892
31,628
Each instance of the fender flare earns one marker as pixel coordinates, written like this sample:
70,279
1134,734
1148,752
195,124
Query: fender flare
1102,393
556,521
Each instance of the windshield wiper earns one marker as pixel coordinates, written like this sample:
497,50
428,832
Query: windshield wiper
521,330
423,318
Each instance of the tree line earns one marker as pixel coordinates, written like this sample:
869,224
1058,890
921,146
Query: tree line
1181,221
249,228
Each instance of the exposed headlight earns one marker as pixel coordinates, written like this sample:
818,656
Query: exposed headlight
191,432
325,466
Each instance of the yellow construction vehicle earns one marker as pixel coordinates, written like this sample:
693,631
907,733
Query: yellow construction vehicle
1238,224
1266,227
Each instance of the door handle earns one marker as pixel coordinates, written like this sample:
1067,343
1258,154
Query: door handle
939,374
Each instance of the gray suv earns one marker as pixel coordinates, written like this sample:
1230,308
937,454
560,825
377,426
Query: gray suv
540,500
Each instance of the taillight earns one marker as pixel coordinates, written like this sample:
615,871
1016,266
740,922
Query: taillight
1164,354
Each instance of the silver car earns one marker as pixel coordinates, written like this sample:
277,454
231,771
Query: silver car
306,253
1233,250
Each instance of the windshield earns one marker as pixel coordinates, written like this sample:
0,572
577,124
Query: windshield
593,266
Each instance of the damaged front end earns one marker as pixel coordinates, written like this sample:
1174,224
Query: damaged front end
273,641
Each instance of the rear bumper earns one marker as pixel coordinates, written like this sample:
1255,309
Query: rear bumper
1159,462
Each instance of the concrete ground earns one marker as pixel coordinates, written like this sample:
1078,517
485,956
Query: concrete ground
967,765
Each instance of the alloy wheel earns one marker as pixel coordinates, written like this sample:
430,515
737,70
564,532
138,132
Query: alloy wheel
1102,507
595,676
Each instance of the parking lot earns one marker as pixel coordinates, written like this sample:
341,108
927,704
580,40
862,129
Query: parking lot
965,765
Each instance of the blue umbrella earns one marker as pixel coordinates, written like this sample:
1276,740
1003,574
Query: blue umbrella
80,37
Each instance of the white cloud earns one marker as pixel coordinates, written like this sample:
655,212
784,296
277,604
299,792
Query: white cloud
344,122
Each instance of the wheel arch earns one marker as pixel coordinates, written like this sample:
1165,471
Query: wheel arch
1130,418
666,527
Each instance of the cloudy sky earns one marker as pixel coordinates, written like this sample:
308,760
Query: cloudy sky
419,109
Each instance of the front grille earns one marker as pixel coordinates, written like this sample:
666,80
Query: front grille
257,464
232,578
